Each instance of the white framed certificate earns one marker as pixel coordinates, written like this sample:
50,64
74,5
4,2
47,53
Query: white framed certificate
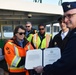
33,58
51,55
38,57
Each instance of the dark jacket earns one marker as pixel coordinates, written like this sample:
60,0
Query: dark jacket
58,42
66,65
32,31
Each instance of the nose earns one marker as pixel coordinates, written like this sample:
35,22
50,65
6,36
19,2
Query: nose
66,20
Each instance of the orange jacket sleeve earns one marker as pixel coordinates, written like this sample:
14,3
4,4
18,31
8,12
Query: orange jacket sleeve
9,53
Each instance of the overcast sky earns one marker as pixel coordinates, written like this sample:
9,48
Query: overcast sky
55,2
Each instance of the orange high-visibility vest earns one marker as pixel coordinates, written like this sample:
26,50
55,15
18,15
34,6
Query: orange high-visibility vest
13,54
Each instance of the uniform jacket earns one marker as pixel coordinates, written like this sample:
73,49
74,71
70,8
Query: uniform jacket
15,55
66,65
58,42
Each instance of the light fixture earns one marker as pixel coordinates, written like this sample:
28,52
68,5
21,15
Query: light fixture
29,15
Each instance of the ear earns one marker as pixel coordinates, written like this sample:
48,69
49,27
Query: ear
15,34
31,25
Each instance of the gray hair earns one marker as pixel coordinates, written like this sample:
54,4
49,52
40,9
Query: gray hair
28,22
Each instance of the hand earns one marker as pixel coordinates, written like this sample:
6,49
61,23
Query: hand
38,69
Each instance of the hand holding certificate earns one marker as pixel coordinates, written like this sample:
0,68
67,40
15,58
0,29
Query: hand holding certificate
40,57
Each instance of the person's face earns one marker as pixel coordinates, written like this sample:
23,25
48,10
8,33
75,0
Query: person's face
28,27
70,18
20,34
41,29
63,25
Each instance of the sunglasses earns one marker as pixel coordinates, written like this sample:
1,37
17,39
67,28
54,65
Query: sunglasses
20,33
68,15
27,26
41,28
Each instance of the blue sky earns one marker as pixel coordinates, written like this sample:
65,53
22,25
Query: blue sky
54,2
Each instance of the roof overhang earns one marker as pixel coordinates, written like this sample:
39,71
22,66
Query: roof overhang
21,5
49,11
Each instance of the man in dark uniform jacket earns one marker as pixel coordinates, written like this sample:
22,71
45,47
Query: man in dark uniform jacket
60,40
66,65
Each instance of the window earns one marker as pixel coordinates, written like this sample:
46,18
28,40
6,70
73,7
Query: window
48,29
56,28
7,31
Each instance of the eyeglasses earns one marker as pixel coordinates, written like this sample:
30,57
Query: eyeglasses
20,33
27,26
41,28
68,15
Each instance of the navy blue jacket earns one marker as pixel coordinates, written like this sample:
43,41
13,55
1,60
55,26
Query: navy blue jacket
66,65
58,42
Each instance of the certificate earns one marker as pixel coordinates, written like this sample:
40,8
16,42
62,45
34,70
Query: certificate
38,57
51,55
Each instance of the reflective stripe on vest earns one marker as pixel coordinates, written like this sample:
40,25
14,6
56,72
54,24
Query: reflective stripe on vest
16,50
16,59
29,47
17,67
47,40
35,39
